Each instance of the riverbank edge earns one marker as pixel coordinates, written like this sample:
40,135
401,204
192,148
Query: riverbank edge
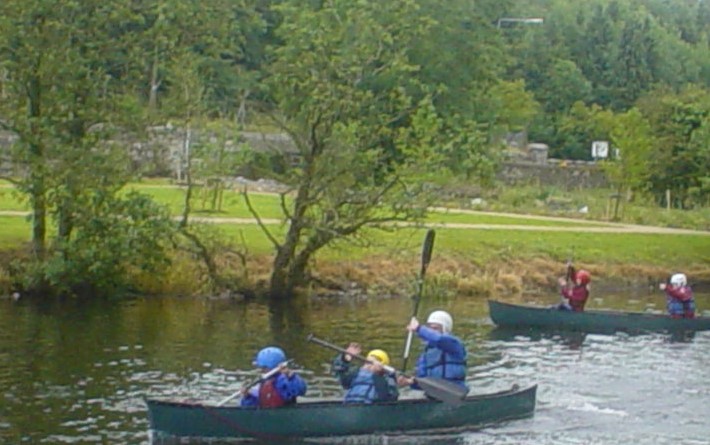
386,277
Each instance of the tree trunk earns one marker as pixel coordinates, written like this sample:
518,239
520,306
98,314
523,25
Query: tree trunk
65,224
283,274
39,213
288,269
187,208
281,287
154,83
37,175
619,194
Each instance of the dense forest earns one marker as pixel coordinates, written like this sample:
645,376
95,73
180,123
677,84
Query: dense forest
382,100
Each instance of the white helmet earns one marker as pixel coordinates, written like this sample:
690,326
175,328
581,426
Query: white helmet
679,279
443,318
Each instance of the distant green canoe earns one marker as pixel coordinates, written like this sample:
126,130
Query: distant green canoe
593,321
334,418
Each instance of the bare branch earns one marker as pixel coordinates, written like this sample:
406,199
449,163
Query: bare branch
256,216
284,207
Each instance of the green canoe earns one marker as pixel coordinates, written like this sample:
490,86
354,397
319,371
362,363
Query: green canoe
593,321
334,418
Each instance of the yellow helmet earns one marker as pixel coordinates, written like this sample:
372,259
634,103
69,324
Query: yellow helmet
379,355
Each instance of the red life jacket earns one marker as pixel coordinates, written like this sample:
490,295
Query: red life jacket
269,397
577,297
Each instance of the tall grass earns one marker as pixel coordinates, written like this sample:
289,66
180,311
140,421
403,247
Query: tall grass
546,200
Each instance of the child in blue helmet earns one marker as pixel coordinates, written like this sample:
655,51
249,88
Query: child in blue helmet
280,389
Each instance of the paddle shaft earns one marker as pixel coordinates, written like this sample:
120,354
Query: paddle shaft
313,339
261,378
426,259
570,268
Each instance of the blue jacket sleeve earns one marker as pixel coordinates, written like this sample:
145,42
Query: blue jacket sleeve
249,400
446,342
344,371
290,387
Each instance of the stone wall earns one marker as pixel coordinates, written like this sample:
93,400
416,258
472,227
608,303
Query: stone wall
163,153
564,174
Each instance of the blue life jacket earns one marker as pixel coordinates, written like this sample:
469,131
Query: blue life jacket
363,390
434,362
680,308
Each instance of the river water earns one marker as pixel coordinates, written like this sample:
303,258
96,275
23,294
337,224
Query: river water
77,373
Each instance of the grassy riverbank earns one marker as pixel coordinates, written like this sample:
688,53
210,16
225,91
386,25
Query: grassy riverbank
475,253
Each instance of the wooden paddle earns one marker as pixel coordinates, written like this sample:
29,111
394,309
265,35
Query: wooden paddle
261,378
569,276
440,389
426,258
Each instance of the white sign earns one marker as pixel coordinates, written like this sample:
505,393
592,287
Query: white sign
600,149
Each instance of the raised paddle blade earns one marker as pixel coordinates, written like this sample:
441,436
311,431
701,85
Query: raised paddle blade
444,390
427,250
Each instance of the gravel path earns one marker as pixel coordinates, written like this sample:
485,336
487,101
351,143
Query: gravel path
603,228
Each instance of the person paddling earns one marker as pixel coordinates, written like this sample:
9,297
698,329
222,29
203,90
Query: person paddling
680,302
369,383
280,389
576,293
444,355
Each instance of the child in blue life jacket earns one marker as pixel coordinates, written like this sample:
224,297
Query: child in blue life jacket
680,302
368,383
444,355
280,389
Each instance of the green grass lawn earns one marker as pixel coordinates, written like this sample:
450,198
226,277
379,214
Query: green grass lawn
14,231
480,246
478,218
642,210
10,199
269,206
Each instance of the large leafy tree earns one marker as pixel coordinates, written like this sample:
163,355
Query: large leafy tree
680,159
629,170
347,93
67,76
579,128
58,90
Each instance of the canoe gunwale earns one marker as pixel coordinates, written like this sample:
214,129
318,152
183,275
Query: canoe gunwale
318,404
510,315
167,417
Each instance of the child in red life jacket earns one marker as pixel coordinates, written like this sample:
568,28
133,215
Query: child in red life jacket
679,297
278,390
576,294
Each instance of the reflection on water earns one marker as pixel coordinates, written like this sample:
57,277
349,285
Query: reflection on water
77,373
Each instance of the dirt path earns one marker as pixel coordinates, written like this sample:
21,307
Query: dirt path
604,227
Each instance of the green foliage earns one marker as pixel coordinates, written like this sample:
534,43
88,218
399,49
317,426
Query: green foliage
384,100
511,106
578,129
681,155
562,85
631,136
347,92
111,237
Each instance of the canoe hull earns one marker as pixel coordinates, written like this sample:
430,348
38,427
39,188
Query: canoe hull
600,321
334,418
